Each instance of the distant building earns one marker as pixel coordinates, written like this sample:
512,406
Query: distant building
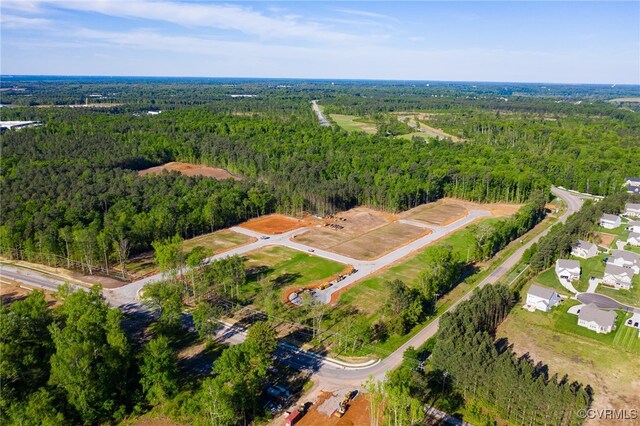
618,277
584,249
632,185
154,112
610,221
596,319
632,210
15,125
542,298
634,239
567,269
625,259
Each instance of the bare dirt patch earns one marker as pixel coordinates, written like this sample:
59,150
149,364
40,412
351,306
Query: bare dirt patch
273,224
605,238
439,213
189,169
11,291
361,233
320,414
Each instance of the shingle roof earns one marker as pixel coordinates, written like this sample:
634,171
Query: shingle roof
567,264
610,217
635,235
584,245
618,270
626,255
539,291
591,312
632,206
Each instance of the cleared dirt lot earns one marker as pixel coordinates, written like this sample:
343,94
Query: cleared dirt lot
320,413
273,224
439,213
605,238
189,169
361,233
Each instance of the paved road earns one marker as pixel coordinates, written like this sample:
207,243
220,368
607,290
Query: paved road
605,302
332,374
32,278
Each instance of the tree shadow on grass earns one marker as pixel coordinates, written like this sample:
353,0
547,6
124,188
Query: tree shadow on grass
286,279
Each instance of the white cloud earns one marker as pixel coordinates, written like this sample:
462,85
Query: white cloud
368,14
19,22
214,15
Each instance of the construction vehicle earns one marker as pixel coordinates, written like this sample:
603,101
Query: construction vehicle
344,404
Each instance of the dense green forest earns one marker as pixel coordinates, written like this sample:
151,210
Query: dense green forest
71,194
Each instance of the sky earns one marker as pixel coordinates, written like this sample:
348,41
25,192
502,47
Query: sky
509,41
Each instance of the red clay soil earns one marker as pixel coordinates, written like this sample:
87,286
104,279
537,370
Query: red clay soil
273,224
357,414
189,169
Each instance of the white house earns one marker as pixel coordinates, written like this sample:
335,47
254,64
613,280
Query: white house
625,259
631,209
610,221
542,298
596,319
567,269
634,226
634,239
617,276
584,249
632,185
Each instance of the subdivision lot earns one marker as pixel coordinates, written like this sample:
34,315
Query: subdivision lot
363,246
352,123
273,224
602,361
189,169
438,213
213,243
287,268
321,412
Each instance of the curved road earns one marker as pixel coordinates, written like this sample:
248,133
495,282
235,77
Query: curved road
605,302
326,372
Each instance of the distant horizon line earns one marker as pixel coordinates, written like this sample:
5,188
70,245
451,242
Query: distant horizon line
3,76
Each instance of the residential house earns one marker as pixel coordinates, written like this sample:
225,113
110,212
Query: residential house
610,221
634,226
596,319
631,209
542,298
625,259
632,185
617,276
567,269
634,239
584,249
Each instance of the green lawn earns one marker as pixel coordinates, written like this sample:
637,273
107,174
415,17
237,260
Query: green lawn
628,297
549,279
213,243
287,268
352,123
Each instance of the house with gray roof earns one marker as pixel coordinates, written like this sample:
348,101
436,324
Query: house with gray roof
618,277
542,298
632,185
596,319
632,210
634,239
584,249
610,221
626,259
634,226
568,269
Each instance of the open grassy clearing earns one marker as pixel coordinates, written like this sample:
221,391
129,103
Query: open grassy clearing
352,123
213,243
419,121
602,361
287,268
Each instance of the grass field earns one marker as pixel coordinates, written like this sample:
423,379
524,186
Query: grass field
286,268
602,361
352,123
213,243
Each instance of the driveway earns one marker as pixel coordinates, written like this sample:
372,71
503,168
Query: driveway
605,302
